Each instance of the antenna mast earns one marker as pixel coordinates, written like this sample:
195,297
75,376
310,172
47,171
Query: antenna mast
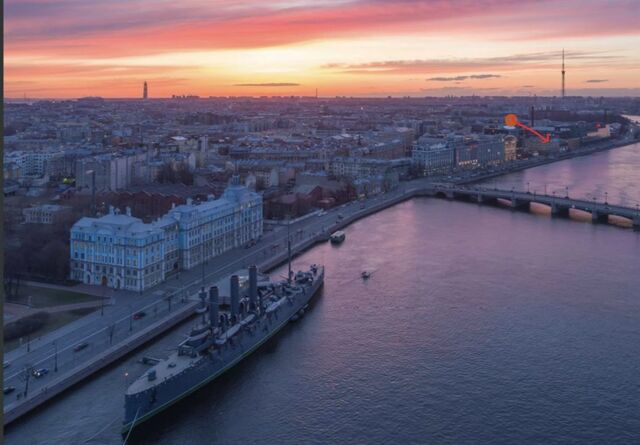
563,73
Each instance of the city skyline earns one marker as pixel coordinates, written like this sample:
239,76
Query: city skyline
355,48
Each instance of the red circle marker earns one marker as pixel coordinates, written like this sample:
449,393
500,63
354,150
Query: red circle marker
511,120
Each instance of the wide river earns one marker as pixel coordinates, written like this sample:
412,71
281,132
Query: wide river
478,325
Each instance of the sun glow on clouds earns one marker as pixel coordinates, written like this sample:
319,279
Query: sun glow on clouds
341,47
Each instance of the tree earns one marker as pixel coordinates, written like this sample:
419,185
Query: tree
55,255
166,174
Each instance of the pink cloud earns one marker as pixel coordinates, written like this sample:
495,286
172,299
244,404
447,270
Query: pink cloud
134,28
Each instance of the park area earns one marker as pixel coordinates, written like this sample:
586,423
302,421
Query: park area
35,310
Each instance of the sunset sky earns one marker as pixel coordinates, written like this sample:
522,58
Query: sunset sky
74,48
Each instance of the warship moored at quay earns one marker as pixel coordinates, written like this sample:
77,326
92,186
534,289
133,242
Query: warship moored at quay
226,334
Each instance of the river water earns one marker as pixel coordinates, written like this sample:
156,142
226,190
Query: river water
478,325
614,172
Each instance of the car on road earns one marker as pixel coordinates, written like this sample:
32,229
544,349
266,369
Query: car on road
139,315
8,390
40,372
80,346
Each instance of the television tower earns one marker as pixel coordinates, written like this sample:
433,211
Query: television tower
563,73
145,92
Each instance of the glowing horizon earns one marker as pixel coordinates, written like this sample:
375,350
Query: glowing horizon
373,48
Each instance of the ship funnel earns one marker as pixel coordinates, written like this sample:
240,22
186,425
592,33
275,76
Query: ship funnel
253,286
235,295
213,306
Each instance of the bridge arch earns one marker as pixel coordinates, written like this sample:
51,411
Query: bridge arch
441,195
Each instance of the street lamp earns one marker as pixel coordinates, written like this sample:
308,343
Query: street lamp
28,369
566,189
112,329
104,291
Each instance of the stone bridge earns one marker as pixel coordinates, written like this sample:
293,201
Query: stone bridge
560,205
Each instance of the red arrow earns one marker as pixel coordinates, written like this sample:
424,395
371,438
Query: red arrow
544,139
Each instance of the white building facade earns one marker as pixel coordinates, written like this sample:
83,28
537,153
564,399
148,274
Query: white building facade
433,156
121,252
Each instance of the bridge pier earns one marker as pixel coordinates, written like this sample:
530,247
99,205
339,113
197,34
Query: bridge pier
558,210
599,217
520,204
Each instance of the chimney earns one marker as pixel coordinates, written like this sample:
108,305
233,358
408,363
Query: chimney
203,301
213,306
533,122
253,285
235,296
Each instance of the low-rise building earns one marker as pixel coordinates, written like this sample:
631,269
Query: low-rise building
45,214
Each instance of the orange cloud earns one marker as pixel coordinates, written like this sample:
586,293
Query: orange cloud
72,44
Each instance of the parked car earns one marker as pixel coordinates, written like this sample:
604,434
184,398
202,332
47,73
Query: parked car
139,315
8,390
40,372
80,346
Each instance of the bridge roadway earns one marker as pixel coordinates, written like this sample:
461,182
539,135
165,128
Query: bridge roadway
560,205
57,349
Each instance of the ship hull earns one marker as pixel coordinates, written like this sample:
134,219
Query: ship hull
143,406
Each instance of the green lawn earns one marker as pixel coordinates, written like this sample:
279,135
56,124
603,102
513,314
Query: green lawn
44,297
56,320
